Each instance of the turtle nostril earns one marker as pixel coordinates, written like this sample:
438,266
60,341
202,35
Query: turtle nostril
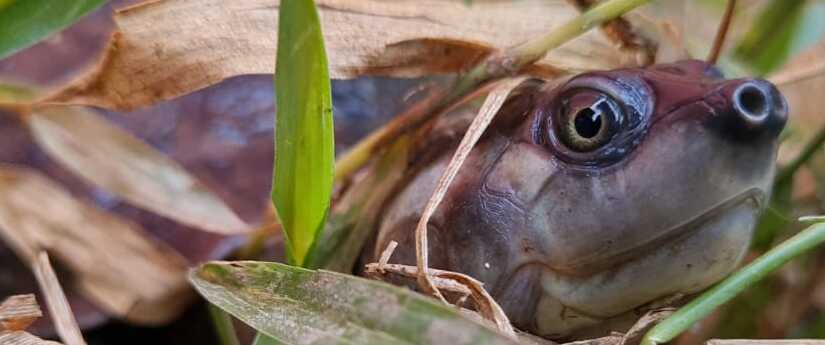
752,102
757,107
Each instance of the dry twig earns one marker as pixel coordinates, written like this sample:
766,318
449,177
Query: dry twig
490,107
721,32
448,281
635,334
59,309
454,282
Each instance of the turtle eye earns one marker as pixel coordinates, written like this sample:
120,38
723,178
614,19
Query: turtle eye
588,119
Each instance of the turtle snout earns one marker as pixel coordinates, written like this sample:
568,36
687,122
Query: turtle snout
756,108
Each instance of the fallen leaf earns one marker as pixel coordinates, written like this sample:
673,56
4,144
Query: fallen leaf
18,312
23,338
162,51
114,263
300,306
111,158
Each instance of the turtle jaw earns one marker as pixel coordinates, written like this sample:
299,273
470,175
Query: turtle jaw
697,254
754,196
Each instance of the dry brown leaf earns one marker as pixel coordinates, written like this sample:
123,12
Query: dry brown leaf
163,50
62,317
114,263
111,158
18,312
22,338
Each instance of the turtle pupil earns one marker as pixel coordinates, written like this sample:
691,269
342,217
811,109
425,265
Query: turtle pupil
588,123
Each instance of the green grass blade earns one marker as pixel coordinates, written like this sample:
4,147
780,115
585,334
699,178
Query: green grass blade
223,326
777,34
262,339
304,158
25,22
736,283
299,306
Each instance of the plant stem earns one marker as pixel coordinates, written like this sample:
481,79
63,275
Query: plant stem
534,50
512,60
733,285
223,326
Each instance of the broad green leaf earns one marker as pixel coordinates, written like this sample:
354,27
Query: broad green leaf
25,22
299,306
304,145
224,328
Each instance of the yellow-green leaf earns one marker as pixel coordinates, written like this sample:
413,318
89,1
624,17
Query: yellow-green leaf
304,146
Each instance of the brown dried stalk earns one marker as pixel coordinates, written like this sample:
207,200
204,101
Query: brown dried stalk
459,283
721,32
486,304
635,334
59,309
488,110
